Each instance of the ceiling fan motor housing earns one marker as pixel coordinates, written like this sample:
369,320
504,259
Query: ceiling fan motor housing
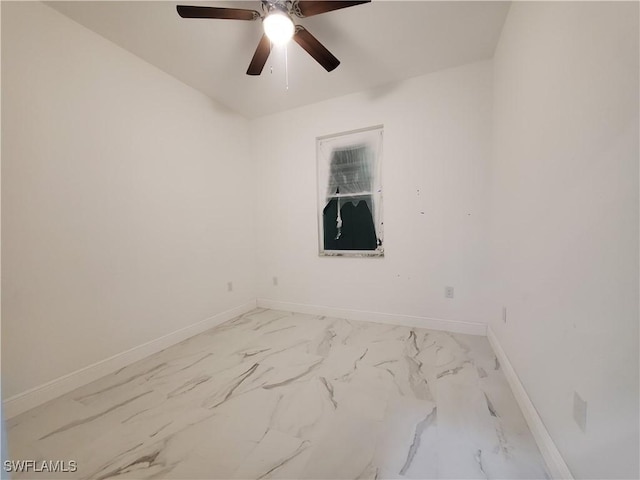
271,6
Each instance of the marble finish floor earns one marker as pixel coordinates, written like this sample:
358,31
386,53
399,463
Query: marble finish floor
275,394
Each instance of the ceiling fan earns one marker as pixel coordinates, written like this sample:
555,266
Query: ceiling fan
278,26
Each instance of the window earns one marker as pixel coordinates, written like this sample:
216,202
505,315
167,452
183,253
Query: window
350,193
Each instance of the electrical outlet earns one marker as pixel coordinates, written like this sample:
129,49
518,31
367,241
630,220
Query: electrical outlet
275,281
229,286
580,411
504,314
448,292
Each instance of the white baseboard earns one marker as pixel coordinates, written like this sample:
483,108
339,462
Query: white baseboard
555,463
454,326
43,393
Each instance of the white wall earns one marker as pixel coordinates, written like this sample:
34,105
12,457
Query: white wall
126,200
565,222
437,131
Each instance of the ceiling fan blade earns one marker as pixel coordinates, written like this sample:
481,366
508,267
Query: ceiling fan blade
308,8
260,56
186,11
314,48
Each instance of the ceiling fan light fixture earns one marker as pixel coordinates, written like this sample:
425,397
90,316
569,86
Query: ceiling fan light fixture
279,27
276,16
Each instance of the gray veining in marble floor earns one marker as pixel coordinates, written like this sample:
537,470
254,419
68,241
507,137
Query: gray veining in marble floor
275,394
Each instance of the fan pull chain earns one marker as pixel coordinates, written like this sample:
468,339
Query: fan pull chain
286,66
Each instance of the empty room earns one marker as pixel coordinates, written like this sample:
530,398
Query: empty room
309,239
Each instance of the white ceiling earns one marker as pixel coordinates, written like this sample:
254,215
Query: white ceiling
377,43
